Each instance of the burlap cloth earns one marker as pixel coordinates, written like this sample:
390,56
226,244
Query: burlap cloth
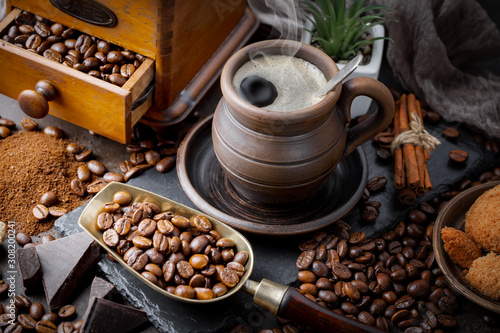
435,41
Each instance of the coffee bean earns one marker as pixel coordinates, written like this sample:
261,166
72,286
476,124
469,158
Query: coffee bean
432,117
369,214
376,184
42,29
448,304
109,177
26,321
127,70
45,326
60,48
33,42
115,57
229,277
53,55
110,237
96,186
349,308
96,167
341,271
399,316
40,212
103,47
366,318
83,156
48,199
382,324
166,164
22,239
65,327
458,156
185,291
36,311
136,170
384,281
57,211
383,154
116,79
67,311
394,247
77,187
450,132
405,302
418,217
447,321
105,221
83,173
125,166
13,328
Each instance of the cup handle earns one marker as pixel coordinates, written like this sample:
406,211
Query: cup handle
377,122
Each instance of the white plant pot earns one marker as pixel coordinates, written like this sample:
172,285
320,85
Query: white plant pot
361,104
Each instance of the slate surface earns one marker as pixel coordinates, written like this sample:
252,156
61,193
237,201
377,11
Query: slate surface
275,258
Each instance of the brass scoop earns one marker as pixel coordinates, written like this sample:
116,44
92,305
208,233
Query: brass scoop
282,300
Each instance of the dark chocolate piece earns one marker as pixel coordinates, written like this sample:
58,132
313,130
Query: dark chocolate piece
64,263
258,91
100,288
28,266
108,317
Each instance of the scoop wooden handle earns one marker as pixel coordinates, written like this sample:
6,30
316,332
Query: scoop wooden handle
35,102
296,307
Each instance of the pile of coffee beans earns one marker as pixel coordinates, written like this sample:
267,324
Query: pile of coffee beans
23,315
72,48
183,255
394,278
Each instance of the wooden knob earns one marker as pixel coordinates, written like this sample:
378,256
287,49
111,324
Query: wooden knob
35,102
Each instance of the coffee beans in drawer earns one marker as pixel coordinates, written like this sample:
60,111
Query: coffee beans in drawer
88,54
181,254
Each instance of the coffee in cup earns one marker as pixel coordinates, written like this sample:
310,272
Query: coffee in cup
295,82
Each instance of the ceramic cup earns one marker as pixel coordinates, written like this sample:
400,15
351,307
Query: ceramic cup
278,158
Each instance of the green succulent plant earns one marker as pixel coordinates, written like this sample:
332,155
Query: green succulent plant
339,30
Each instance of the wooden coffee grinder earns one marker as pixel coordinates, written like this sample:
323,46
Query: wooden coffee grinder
186,43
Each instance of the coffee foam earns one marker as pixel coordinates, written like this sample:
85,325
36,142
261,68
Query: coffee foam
296,80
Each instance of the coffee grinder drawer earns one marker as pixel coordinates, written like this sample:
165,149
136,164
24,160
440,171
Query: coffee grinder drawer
87,101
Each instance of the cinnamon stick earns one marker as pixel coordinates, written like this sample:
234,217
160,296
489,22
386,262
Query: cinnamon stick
427,181
399,171
409,156
419,150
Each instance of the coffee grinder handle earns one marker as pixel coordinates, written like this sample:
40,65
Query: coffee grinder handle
378,121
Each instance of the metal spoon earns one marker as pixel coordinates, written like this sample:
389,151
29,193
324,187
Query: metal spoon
341,75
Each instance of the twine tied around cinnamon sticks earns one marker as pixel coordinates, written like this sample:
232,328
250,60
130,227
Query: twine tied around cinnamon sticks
417,135
411,147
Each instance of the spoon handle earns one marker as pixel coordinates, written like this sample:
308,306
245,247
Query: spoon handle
341,75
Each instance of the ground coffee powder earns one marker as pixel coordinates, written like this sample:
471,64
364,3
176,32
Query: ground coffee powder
32,163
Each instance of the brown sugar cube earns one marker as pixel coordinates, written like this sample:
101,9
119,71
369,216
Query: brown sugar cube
460,247
484,275
482,221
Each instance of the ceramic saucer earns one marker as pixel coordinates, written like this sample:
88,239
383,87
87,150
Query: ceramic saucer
204,182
